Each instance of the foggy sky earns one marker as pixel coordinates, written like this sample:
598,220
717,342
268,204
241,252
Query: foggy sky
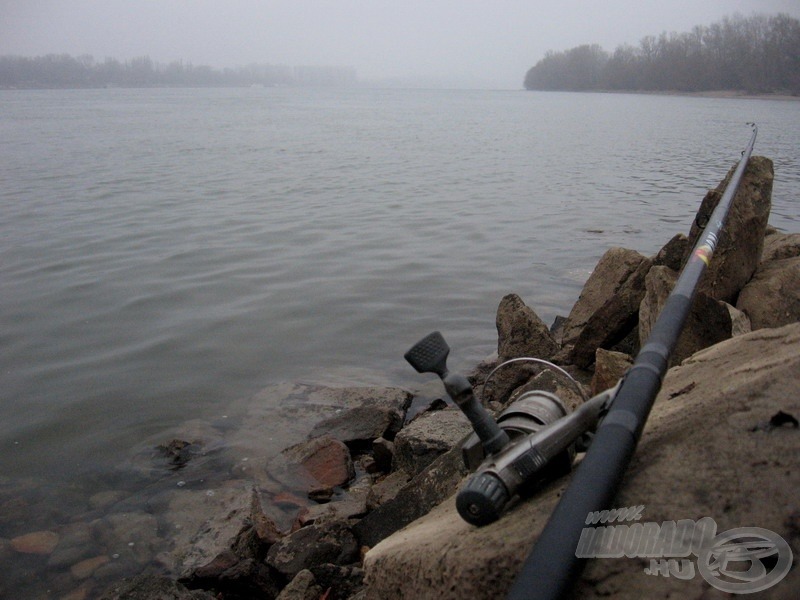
461,43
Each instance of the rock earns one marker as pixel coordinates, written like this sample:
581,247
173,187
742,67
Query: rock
313,545
76,543
427,437
698,457
548,381
85,568
778,245
151,587
612,271
178,453
37,542
319,462
609,367
79,593
358,427
557,329
740,322
477,376
383,453
248,578
386,489
496,392
772,297
739,250
344,505
614,320
130,535
709,321
438,481
284,414
203,525
234,576
521,332
302,587
106,498
672,253
339,583
216,567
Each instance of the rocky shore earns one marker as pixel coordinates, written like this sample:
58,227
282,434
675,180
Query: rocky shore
363,506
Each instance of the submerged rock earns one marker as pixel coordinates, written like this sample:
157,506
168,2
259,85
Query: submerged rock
313,464
37,542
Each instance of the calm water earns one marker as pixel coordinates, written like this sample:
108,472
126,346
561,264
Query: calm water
165,252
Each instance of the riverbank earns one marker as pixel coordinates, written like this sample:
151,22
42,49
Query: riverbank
326,516
729,94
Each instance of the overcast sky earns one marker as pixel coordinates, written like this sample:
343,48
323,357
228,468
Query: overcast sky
489,43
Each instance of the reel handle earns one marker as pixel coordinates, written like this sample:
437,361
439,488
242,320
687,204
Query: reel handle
429,355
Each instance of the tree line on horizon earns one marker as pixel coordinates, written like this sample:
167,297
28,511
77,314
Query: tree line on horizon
66,71
756,54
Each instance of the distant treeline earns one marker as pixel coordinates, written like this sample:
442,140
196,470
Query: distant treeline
65,71
757,54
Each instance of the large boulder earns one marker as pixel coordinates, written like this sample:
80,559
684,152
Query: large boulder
779,245
612,271
615,319
772,297
710,321
711,448
520,331
739,249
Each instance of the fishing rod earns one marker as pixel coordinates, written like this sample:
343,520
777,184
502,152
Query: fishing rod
534,440
552,567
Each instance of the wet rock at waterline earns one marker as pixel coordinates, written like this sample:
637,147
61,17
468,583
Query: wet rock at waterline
37,542
319,462
614,320
612,271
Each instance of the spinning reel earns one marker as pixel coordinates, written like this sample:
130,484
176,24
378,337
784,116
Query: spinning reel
533,440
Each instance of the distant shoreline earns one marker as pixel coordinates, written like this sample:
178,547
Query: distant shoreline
733,94
738,95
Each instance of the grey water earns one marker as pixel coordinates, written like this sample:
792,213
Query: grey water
166,252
